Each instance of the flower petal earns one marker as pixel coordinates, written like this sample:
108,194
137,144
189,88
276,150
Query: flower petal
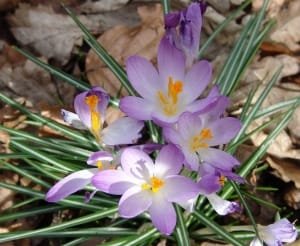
99,156
171,62
221,206
169,161
114,182
180,189
143,76
283,231
70,184
188,125
196,80
209,184
202,106
134,202
137,164
171,135
163,215
137,108
224,130
72,119
218,158
124,130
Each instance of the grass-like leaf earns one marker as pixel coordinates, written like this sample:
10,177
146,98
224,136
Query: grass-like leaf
181,231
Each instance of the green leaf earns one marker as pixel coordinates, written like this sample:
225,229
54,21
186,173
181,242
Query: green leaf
181,232
62,226
216,228
166,6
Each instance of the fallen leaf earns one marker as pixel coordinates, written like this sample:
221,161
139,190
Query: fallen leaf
121,42
288,31
292,197
92,6
50,34
286,169
274,6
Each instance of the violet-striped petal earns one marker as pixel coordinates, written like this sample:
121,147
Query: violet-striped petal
170,63
134,202
196,80
72,119
137,164
70,184
143,76
99,156
282,230
221,206
223,130
180,189
136,107
218,158
189,125
209,184
114,182
171,135
168,162
122,131
163,215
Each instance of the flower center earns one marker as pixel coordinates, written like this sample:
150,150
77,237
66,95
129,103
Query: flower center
222,180
99,165
168,101
96,125
200,140
155,185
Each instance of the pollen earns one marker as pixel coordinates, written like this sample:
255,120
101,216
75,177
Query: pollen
222,180
200,140
99,165
168,101
155,185
96,125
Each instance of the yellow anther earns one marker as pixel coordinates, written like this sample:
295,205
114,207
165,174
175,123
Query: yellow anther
156,184
96,124
222,180
169,101
99,165
199,140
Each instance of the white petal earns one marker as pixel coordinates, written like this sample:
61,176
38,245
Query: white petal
72,119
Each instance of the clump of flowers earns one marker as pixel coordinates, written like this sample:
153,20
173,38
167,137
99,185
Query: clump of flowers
189,162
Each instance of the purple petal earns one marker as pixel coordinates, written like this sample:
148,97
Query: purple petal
192,161
137,108
202,106
72,119
180,189
172,19
122,131
224,130
70,184
218,158
221,206
134,202
196,80
114,182
171,135
170,62
282,230
143,76
99,156
188,125
169,161
163,215
137,164
209,184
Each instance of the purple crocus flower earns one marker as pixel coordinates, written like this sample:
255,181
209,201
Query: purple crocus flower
195,136
78,180
276,234
183,30
90,107
148,186
168,93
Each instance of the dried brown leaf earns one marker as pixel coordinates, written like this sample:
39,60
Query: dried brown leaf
292,197
52,35
121,42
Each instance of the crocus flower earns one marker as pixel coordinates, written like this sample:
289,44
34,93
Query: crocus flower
90,107
148,186
168,93
183,30
276,234
195,137
78,180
